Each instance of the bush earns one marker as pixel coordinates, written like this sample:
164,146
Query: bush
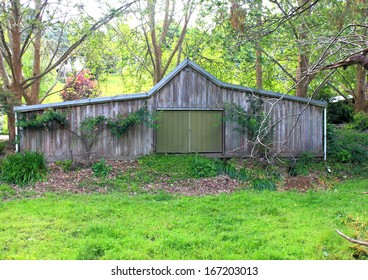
23,168
360,121
340,112
202,167
101,169
2,146
66,165
303,164
80,86
348,146
263,185
230,170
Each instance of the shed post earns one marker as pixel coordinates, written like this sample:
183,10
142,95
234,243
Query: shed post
16,132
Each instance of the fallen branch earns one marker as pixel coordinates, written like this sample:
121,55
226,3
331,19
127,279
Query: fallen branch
364,243
365,193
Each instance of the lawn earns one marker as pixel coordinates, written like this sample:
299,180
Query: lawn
247,224
111,86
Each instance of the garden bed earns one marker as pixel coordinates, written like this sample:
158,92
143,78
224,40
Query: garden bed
133,177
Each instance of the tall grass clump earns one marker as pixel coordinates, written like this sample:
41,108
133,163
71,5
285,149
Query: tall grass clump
23,168
202,167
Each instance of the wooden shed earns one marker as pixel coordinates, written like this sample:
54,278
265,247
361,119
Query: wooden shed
191,104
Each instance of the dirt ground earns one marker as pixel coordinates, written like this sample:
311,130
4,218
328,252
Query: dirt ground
84,181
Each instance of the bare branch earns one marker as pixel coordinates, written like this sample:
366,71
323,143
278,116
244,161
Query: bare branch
279,64
352,240
40,9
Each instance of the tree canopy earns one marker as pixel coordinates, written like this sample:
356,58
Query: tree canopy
309,48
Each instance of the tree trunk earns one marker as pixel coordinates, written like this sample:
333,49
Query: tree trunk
34,96
11,127
302,79
361,90
360,104
259,70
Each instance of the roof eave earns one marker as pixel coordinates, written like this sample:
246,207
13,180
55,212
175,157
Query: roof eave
81,102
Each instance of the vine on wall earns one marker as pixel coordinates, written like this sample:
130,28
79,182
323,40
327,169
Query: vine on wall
90,127
254,123
45,120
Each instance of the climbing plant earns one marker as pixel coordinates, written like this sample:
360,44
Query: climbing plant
252,122
120,125
46,120
90,127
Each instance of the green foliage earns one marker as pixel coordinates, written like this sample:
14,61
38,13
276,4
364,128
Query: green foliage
303,164
6,191
175,166
347,146
228,168
23,168
44,120
66,165
7,101
120,125
360,121
2,146
101,169
253,123
202,167
339,112
91,126
263,185
4,128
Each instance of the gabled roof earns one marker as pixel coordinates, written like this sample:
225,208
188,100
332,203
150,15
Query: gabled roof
163,82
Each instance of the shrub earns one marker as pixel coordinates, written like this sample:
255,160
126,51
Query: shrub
80,86
230,170
340,112
303,164
360,121
66,165
2,146
263,184
347,145
23,168
101,169
202,167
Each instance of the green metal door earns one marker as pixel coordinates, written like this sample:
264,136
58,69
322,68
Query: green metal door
189,132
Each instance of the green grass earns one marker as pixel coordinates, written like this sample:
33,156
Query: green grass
244,225
112,86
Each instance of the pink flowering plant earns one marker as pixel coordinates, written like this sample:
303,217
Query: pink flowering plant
83,85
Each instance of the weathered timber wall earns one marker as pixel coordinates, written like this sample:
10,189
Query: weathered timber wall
297,127
61,143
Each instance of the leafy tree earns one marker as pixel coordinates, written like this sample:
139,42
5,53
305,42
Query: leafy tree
25,27
163,25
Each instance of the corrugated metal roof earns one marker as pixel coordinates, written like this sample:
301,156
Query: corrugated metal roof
164,81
